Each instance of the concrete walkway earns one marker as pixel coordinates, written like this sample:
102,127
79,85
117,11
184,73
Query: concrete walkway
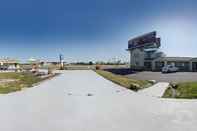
84,101
156,90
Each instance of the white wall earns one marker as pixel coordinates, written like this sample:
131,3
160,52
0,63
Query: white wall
137,58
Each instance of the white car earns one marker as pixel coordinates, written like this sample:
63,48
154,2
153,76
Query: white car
169,69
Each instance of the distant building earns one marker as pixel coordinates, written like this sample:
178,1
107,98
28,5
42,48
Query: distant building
9,64
145,55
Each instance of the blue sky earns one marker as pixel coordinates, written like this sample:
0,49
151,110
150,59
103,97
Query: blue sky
85,30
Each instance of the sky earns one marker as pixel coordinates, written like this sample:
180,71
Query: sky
94,30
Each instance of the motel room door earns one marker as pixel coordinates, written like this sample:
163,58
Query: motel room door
194,66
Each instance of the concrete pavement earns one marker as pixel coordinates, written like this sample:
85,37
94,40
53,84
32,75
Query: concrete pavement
85,101
156,90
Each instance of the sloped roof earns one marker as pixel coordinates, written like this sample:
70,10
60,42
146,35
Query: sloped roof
8,60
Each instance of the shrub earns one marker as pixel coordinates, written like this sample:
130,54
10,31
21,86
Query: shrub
98,67
174,85
134,87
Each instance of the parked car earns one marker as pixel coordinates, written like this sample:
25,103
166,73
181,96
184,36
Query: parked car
169,69
11,67
3,67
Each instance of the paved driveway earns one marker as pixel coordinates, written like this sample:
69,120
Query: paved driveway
170,77
84,101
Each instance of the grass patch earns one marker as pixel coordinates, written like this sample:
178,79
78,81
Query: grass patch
132,84
22,80
168,93
186,90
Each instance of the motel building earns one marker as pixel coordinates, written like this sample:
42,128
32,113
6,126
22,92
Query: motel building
145,55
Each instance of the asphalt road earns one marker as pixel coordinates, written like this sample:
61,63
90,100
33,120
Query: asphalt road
84,101
170,77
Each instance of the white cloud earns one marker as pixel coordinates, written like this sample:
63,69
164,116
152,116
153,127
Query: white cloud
178,35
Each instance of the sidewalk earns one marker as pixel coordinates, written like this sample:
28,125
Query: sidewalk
156,90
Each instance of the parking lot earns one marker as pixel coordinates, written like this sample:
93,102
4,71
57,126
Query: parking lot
170,77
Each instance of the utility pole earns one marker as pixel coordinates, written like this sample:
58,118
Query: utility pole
61,58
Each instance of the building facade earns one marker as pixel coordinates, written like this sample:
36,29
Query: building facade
145,55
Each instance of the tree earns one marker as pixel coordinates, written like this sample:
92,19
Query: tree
91,63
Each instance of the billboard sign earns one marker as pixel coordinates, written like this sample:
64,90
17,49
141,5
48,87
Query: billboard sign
148,39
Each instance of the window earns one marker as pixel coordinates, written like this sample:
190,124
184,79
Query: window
180,64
